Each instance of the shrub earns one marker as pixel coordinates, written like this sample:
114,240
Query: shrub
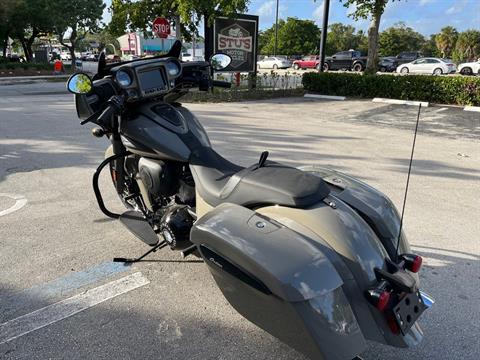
436,89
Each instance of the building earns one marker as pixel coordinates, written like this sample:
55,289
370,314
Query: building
137,44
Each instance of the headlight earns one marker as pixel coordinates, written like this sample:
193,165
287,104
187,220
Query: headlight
173,68
123,78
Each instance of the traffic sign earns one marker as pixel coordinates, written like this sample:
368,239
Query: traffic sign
161,27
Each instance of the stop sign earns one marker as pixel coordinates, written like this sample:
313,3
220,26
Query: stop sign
161,27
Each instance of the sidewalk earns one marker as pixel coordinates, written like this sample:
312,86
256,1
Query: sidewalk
31,78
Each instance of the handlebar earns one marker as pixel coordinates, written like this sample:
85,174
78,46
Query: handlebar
223,84
115,106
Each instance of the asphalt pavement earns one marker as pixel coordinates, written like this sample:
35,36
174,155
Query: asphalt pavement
56,245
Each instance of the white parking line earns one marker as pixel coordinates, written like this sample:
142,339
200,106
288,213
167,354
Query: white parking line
472,108
20,201
400,102
61,310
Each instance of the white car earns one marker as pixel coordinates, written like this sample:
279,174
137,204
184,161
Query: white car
65,56
273,62
435,66
470,68
189,57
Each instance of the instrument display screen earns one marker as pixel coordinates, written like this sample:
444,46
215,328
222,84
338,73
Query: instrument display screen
151,80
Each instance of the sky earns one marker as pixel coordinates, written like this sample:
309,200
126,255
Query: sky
425,16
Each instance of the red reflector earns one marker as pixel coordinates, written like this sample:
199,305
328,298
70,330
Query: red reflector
392,324
416,264
383,300
412,262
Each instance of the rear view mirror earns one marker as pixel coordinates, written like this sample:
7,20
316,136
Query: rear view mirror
220,61
79,84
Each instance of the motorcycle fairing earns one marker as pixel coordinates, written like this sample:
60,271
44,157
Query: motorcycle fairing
280,280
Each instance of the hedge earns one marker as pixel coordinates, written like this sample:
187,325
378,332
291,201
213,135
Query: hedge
436,89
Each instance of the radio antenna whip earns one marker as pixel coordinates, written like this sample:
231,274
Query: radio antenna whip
408,181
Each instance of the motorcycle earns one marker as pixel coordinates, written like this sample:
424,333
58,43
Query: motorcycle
313,256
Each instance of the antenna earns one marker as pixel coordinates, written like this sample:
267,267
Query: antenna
408,181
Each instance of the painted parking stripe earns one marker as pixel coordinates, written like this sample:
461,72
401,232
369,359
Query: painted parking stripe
20,201
62,286
61,310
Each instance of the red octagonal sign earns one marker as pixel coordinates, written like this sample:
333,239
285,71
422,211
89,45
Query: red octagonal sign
161,27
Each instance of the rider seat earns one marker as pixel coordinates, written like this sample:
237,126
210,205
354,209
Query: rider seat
218,181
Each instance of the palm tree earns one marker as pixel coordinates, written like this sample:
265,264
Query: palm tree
446,40
468,44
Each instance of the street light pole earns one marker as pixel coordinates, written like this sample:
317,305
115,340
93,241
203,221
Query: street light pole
276,32
323,39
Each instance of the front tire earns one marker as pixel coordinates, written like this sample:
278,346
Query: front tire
404,70
467,71
296,67
437,71
275,66
326,67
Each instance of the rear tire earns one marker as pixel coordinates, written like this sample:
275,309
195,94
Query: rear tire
275,66
326,67
404,70
437,71
358,67
383,69
466,71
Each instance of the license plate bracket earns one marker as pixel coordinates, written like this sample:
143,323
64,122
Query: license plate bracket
408,310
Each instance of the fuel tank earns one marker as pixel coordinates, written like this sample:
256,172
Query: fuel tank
161,130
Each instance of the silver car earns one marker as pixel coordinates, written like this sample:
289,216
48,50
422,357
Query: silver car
273,62
435,66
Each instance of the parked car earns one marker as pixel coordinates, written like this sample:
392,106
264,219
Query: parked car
470,68
347,60
188,58
65,56
407,57
387,64
435,66
308,62
112,58
273,62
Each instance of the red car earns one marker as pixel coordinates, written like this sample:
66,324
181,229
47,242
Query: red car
308,62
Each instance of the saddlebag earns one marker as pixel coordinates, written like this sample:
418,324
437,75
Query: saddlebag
280,280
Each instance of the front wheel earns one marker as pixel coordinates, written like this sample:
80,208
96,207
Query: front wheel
296,67
404,70
437,71
466,71
275,66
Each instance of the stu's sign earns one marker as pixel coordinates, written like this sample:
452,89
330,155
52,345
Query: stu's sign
238,39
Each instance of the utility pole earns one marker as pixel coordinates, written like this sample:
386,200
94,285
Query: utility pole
323,39
276,32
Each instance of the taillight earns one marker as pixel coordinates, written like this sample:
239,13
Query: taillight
392,324
379,298
413,262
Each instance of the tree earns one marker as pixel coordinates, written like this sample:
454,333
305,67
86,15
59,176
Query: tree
25,21
342,37
429,47
372,9
467,46
295,37
399,38
138,15
446,40
73,19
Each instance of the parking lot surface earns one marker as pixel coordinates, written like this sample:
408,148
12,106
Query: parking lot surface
56,244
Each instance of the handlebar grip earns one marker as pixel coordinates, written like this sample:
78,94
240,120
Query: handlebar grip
223,84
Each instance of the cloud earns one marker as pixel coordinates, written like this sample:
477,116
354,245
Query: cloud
318,13
426,2
267,8
451,10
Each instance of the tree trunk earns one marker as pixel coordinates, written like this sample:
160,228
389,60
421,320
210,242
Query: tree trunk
178,28
5,46
372,59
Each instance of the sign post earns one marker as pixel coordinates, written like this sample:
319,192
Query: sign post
161,27
236,37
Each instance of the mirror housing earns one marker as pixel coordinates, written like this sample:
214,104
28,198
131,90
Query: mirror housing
220,61
79,83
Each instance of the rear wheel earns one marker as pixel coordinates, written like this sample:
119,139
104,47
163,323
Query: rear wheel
437,71
404,70
357,67
275,66
466,71
326,67
383,69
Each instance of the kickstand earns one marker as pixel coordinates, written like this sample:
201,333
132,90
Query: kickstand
159,246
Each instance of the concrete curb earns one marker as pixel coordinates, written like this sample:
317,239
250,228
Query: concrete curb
400,102
472,108
327,97
39,77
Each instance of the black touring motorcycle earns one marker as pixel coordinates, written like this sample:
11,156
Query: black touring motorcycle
312,256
